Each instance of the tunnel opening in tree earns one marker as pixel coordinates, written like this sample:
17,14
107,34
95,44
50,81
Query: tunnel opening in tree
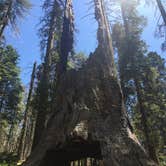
75,150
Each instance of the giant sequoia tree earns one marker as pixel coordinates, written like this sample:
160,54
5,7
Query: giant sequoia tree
131,58
90,97
48,33
134,68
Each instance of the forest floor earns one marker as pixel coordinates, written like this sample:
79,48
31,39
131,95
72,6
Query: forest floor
12,160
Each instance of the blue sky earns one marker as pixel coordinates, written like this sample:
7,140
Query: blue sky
27,43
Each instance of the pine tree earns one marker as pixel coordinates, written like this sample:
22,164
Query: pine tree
10,93
131,50
153,95
134,71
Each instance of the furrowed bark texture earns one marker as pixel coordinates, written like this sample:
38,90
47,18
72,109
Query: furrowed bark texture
67,37
90,98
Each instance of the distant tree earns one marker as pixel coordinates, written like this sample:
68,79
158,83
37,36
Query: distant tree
131,52
153,98
10,92
160,30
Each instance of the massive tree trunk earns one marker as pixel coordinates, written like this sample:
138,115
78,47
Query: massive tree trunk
91,98
43,87
22,145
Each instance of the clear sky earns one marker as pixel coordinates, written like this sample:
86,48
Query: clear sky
27,43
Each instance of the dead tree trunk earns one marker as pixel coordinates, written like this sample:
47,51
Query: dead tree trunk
162,10
90,96
67,38
24,128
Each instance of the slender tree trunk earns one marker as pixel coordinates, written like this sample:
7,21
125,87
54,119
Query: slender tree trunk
3,97
31,134
27,143
79,163
24,128
85,162
9,138
1,104
2,101
2,29
162,10
94,162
